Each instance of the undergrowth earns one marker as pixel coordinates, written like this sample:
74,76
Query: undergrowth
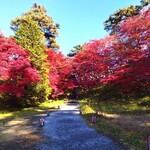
6,115
124,131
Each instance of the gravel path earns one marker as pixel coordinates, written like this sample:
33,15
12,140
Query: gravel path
66,130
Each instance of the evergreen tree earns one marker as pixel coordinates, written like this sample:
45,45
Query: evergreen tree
75,51
145,2
31,38
112,24
38,14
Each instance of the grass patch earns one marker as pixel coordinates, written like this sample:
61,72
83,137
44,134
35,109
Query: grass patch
86,109
19,129
132,107
6,115
129,138
50,105
121,130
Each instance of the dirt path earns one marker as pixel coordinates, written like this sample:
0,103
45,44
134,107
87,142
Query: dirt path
66,130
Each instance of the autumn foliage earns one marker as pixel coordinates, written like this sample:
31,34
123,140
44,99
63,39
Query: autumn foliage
15,69
121,60
60,74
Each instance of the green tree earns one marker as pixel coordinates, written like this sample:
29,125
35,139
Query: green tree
145,2
31,38
38,14
113,22
75,51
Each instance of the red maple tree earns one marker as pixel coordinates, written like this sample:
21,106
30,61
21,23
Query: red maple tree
16,71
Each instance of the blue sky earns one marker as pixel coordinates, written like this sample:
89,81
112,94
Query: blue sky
80,20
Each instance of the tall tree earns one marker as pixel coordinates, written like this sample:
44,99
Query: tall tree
112,24
145,2
31,38
75,51
16,72
38,14
57,61
132,55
